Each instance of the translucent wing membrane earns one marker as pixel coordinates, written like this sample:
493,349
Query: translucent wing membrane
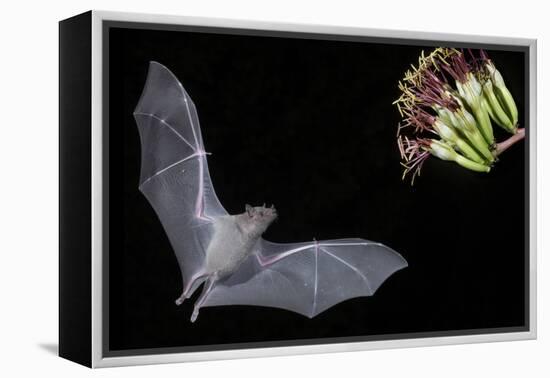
308,278
174,172
165,99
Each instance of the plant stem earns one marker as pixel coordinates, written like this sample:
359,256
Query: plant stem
503,146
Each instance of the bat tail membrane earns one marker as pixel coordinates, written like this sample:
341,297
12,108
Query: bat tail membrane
308,278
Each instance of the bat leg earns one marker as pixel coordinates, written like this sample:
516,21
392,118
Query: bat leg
205,291
190,288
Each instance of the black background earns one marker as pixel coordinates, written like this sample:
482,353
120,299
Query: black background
309,125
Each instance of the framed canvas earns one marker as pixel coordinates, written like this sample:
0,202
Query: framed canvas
169,248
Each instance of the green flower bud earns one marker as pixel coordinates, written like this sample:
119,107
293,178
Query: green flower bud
445,152
496,112
487,107
471,91
448,134
495,75
463,121
503,94
442,150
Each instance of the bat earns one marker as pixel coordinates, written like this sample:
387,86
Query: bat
226,253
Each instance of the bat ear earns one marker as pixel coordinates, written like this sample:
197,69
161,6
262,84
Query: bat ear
248,209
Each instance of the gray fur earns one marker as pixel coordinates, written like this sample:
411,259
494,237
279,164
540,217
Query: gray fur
233,240
235,237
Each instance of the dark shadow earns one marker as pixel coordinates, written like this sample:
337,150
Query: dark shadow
52,348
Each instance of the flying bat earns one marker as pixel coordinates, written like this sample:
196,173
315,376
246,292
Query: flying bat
226,253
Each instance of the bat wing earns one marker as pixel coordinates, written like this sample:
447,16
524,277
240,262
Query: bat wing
174,171
307,278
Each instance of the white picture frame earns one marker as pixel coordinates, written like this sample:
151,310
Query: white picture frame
98,357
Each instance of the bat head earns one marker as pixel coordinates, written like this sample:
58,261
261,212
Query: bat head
258,218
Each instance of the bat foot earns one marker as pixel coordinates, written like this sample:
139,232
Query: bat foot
185,295
180,300
194,315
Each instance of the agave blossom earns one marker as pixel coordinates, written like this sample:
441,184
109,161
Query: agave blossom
447,104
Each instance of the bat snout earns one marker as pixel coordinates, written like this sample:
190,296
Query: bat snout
272,211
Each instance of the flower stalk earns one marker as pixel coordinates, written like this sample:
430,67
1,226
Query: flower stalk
504,145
